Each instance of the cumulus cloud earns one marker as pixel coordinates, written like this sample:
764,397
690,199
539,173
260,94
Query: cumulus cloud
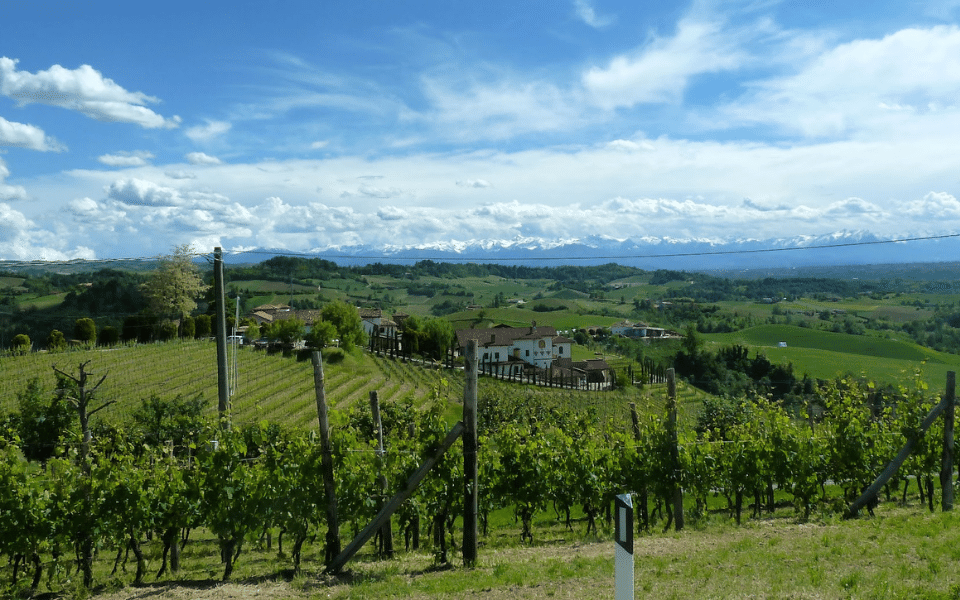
319,145
939,206
137,158
23,240
83,89
200,158
139,192
212,129
22,135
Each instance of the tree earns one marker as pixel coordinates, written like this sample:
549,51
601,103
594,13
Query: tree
56,341
202,326
109,336
174,287
347,320
21,343
322,333
437,338
286,331
188,327
85,330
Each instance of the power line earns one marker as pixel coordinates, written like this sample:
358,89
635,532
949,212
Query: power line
595,257
15,264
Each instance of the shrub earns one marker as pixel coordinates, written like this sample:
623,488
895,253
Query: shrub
21,343
85,330
56,341
109,336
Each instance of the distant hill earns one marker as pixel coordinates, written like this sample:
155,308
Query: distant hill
733,254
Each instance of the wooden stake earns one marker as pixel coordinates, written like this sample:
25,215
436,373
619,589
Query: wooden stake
672,423
223,385
946,474
386,532
470,480
390,507
326,462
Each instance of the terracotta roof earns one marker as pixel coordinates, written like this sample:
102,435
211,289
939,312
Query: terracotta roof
503,336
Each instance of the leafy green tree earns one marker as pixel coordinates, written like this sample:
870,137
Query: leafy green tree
56,341
437,338
347,320
174,287
21,343
321,334
188,327
202,326
286,331
109,336
85,330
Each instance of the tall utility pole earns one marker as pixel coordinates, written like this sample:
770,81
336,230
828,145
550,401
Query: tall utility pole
223,383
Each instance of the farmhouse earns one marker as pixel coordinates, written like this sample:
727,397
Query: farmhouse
508,350
637,330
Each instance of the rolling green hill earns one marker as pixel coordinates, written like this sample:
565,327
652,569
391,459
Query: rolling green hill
824,354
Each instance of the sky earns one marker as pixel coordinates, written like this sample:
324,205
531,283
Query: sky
129,128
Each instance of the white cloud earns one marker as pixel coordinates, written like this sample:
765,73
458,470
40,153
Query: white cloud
22,135
660,70
137,158
934,207
497,106
9,192
212,129
200,158
82,89
319,145
138,192
23,240
474,183
866,86
180,175
588,15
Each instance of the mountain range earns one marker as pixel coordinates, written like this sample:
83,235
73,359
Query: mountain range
651,253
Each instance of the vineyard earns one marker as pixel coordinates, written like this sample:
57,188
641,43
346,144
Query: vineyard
560,457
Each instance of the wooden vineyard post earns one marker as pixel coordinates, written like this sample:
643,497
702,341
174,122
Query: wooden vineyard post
332,548
946,475
386,532
642,492
871,492
675,448
223,386
390,507
470,479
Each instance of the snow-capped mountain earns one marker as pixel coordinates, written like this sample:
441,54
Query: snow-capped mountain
840,248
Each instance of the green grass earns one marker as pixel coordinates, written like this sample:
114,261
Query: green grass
825,354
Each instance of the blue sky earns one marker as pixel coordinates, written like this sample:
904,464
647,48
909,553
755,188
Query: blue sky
126,129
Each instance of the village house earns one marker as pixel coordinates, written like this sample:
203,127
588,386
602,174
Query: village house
636,330
508,350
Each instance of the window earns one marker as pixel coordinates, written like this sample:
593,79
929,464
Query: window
528,353
560,350
486,355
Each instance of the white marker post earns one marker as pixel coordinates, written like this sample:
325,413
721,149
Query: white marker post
623,525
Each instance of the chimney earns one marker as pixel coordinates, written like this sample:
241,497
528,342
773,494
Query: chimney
493,338
533,326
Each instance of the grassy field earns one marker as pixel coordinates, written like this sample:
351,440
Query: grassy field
824,354
902,553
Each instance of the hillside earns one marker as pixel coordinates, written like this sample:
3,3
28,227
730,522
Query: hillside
280,389
825,354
